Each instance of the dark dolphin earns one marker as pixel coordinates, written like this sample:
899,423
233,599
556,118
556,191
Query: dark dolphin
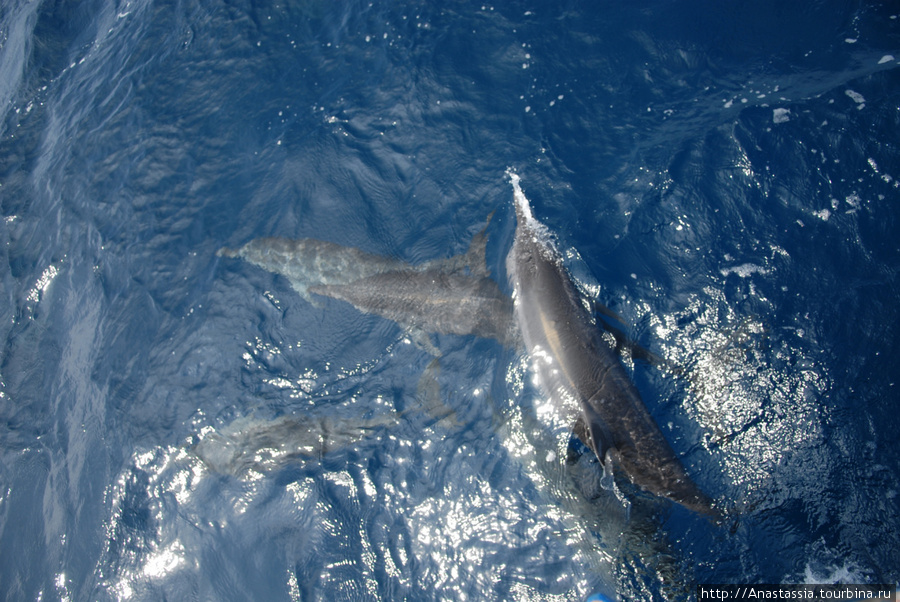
581,374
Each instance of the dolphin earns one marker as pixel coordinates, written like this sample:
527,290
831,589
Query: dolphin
453,295
251,445
432,301
309,262
580,373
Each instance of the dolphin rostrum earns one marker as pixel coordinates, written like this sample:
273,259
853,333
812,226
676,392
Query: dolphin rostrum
580,373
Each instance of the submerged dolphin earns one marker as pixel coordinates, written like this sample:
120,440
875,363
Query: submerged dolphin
432,301
254,445
580,373
309,262
447,296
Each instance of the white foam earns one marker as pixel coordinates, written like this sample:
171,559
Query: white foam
538,231
781,115
834,575
744,270
886,59
856,96
519,196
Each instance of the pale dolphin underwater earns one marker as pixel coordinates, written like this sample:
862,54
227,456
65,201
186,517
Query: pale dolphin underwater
309,262
251,445
581,374
447,296
432,301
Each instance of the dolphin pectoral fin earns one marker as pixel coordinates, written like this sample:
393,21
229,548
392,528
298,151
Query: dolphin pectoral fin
594,434
428,394
643,354
603,310
423,341
636,350
580,430
591,430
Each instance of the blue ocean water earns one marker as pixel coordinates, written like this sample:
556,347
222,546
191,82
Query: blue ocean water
722,175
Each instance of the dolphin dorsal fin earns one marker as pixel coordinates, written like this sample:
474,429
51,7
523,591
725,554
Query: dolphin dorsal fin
473,261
